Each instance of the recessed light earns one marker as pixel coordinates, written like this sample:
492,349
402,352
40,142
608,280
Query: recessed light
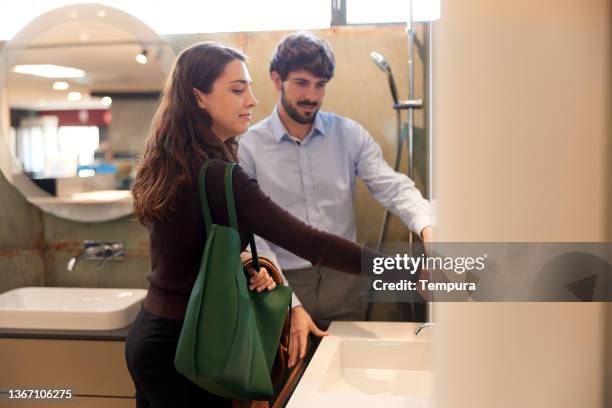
101,13
74,96
73,14
60,85
49,71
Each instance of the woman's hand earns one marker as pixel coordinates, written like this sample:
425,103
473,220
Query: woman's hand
260,280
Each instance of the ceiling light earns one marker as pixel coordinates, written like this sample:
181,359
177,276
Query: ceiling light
49,71
107,101
60,85
101,13
74,96
87,173
142,57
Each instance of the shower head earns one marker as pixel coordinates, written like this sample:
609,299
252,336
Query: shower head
380,62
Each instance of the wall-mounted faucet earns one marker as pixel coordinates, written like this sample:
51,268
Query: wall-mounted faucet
102,251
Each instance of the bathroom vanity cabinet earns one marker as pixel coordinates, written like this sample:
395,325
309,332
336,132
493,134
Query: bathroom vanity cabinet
90,364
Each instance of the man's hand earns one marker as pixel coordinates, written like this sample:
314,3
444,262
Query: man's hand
425,274
426,234
301,325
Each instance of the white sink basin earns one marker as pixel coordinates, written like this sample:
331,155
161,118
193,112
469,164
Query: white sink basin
369,364
53,308
381,368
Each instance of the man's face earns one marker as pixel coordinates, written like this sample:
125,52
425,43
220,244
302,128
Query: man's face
301,95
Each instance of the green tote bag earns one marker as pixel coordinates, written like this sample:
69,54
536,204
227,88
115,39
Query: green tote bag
230,334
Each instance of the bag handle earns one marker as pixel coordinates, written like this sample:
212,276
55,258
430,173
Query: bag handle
203,197
231,206
231,211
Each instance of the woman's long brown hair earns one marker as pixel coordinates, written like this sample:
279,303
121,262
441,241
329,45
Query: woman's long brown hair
181,132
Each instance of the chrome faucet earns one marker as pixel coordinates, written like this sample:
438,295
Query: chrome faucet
422,326
102,251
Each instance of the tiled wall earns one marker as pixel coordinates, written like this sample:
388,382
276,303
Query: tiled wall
21,240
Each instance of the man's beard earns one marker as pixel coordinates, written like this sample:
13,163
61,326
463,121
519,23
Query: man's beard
294,114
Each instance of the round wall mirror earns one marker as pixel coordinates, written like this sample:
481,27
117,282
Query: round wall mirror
78,89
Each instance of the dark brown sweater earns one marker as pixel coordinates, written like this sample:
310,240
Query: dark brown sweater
176,246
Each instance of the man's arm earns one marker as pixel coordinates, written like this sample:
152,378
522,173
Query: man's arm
394,191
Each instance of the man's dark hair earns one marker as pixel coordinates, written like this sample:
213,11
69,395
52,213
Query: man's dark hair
303,51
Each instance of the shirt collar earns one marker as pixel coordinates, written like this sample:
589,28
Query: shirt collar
279,131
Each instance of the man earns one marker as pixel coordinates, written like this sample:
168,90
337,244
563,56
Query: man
307,161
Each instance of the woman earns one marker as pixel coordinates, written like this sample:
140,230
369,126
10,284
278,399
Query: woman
206,102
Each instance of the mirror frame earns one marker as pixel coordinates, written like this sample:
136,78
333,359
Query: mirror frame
84,211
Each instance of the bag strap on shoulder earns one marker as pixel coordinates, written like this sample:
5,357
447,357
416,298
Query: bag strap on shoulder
229,196
231,206
203,196
231,211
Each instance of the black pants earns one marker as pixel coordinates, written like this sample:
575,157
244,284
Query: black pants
149,353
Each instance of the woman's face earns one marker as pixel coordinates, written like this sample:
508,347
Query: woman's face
230,101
